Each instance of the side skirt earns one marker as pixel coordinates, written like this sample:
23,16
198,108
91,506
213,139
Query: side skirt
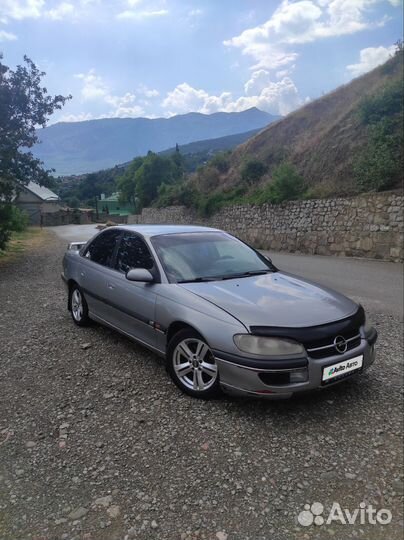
126,334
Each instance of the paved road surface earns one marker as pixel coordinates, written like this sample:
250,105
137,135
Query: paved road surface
378,285
75,233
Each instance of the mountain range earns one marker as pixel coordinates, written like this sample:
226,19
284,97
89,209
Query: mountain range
82,147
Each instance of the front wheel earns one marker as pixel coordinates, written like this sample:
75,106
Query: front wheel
192,366
78,306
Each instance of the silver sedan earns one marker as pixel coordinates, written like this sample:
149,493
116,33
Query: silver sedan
220,313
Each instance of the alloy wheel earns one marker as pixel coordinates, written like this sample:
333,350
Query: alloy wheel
194,364
77,305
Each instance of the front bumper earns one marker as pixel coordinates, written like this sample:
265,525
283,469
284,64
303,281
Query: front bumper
270,379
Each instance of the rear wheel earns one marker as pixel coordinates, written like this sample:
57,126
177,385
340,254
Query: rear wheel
78,306
192,366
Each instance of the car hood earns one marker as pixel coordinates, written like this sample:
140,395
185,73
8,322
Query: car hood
276,299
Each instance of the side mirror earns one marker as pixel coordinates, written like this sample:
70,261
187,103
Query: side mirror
139,274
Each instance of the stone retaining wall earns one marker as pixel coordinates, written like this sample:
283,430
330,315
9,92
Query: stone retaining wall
369,225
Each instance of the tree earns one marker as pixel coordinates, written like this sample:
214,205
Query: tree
154,171
126,183
24,106
252,171
141,180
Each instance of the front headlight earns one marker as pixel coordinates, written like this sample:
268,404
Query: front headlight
267,346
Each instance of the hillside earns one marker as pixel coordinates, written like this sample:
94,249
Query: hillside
322,140
80,147
212,146
199,152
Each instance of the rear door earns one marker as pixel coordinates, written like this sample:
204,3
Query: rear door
133,303
96,269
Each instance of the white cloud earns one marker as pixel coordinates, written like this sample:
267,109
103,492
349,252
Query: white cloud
35,9
370,58
20,9
81,117
184,98
7,36
147,92
279,97
126,112
256,43
284,72
95,89
93,86
257,83
61,11
301,22
140,15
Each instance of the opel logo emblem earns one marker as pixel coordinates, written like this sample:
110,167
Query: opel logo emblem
340,344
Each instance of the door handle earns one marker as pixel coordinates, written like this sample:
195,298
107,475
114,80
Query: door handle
110,286
82,274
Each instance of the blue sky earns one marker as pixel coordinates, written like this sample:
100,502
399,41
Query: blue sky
129,58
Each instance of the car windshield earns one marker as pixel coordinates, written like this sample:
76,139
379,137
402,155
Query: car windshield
210,256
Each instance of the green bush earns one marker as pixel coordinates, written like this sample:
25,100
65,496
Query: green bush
177,194
211,204
387,103
221,161
19,220
5,224
379,166
207,178
12,219
286,185
252,171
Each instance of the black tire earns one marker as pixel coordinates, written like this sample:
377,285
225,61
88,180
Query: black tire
79,316
205,374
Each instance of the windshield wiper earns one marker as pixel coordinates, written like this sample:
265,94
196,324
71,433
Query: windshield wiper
246,274
230,276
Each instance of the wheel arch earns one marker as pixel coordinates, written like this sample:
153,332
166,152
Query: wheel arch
70,284
177,326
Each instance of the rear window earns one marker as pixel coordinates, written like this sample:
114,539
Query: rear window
101,250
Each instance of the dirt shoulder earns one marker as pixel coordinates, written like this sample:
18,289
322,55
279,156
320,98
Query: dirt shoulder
28,241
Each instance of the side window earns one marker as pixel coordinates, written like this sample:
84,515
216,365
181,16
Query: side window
133,253
101,250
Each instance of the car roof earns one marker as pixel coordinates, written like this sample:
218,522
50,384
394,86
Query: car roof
156,230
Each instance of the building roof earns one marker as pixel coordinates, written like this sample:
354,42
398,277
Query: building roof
112,198
41,191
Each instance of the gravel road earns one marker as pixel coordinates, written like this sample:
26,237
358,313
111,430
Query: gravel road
96,443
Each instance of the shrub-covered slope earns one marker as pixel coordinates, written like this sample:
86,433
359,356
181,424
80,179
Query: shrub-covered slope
330,139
